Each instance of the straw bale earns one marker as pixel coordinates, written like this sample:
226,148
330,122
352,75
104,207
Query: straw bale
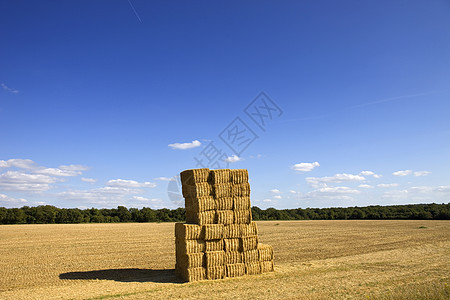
235,270
248,229
232,231
196,190
216,272
199,204
233,244
241,190
214,245
188,231
225,217
249,243
202,218
241,202
266,266
239,175
265,252
193,274
250,256
233,257
214,258
194,176
242,216
192,260
221,190
220,176
213,231
224,203
189,246
252,268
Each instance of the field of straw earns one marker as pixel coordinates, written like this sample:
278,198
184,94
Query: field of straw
313,260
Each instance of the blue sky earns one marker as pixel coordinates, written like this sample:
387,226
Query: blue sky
102,103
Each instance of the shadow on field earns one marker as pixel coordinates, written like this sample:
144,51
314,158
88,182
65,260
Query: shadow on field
125,275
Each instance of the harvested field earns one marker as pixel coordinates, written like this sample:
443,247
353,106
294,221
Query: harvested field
313,259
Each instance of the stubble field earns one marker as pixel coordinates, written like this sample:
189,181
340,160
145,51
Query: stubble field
313,260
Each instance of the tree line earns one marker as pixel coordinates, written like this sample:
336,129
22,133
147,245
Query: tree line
47,214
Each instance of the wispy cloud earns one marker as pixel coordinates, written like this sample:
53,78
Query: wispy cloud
135,12
402,173
305,167
124,183
366,186
90,180
165,178
275,191
6,88
422,173
234,158
387,185
322,181
184,146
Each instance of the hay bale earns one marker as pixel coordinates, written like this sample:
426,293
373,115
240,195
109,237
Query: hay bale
197,190
233,257
249,243
242,216
241,190
224,203
265,252
234,244
235,270
250,256
193,274
252,268
216,272
220,176
232,231
191,260
225,217
266,266
200,204
248,229
214,258
189,246
221,190
241,202
239,176
188,231
202,218
214,245
194,176
213,231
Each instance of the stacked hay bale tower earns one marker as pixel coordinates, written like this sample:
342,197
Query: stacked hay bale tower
219,238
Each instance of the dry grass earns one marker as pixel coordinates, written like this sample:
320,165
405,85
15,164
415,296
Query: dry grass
313,260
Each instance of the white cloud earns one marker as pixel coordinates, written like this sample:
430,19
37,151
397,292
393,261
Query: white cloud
90,180
322,181
233,159
184,146
365,186
256,156
370,173
276,191
18,163
292,192
305,167
19,181
386,185
123,183
268,200
402,173
9,200
277,197
165,178
367,173
6,88
422,173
